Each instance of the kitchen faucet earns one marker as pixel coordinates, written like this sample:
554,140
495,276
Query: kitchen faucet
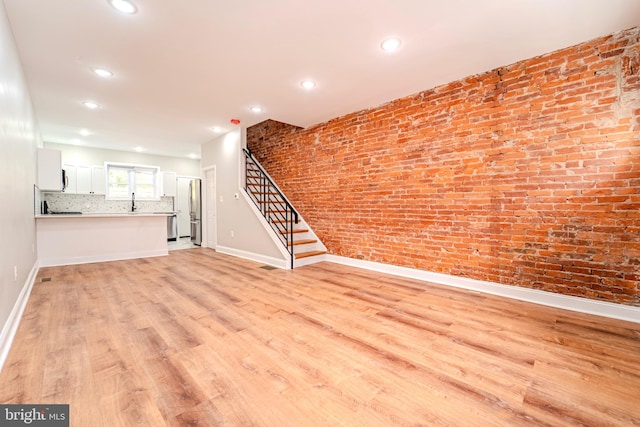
133,202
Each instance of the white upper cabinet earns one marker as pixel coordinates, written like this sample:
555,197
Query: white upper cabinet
98,180
84,175
85,179
49,169
169,184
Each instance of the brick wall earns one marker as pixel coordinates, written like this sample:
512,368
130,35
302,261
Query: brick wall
527,175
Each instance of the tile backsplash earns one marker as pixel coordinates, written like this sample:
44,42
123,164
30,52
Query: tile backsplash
95,203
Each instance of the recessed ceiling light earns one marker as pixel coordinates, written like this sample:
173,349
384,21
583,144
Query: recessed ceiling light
256,109
139,149
102,72
389,45
193,156
308,84
91,105
124,6
216,129
76,141
85,132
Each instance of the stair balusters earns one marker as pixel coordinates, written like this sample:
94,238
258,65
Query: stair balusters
275,208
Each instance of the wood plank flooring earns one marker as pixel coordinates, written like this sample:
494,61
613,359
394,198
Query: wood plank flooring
203,339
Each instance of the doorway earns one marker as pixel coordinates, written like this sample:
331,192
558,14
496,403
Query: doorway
210,204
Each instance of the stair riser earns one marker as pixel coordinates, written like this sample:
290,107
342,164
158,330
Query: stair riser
309,254
301,243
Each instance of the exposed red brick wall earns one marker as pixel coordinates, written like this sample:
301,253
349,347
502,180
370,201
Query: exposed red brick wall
262,135
527,175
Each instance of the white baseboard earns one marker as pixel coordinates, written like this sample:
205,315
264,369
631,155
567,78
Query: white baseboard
583,305
53,262
11,326
275,262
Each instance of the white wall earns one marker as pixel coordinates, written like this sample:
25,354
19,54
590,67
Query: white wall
250,238
77,155
19,139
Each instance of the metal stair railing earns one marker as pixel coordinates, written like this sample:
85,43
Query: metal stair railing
270,201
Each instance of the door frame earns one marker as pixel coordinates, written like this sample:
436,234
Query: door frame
205,204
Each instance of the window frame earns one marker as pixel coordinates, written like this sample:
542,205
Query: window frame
131,169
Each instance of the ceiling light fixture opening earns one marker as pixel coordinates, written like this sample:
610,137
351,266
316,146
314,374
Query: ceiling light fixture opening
85,132
308,84
193,156
91,105
124,6
216,129
102,72
256,109
139,149
391,44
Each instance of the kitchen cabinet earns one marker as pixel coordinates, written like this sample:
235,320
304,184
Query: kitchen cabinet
84,176
71,172
85,179
90,180
98,180
49,169
169,184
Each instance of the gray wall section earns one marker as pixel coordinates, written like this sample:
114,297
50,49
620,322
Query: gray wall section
235,215
77,155
19,139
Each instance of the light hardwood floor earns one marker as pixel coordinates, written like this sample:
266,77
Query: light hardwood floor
203,339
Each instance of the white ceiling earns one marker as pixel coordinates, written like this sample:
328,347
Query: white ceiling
182,67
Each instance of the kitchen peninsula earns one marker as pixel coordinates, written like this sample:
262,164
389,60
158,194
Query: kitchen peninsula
85,238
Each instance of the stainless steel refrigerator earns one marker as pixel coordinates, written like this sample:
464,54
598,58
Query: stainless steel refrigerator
195,211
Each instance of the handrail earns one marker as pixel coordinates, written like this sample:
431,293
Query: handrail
270,201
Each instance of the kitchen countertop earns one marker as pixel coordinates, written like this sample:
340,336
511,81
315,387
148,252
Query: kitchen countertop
106,215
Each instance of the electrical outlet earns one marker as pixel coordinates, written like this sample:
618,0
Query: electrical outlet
15,273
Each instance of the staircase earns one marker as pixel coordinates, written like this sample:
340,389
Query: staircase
297,238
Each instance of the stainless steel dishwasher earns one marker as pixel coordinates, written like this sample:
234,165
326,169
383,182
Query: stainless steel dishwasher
172,227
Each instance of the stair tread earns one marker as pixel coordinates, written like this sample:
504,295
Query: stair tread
303,242
310,253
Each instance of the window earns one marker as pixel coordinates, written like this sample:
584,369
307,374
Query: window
124,179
